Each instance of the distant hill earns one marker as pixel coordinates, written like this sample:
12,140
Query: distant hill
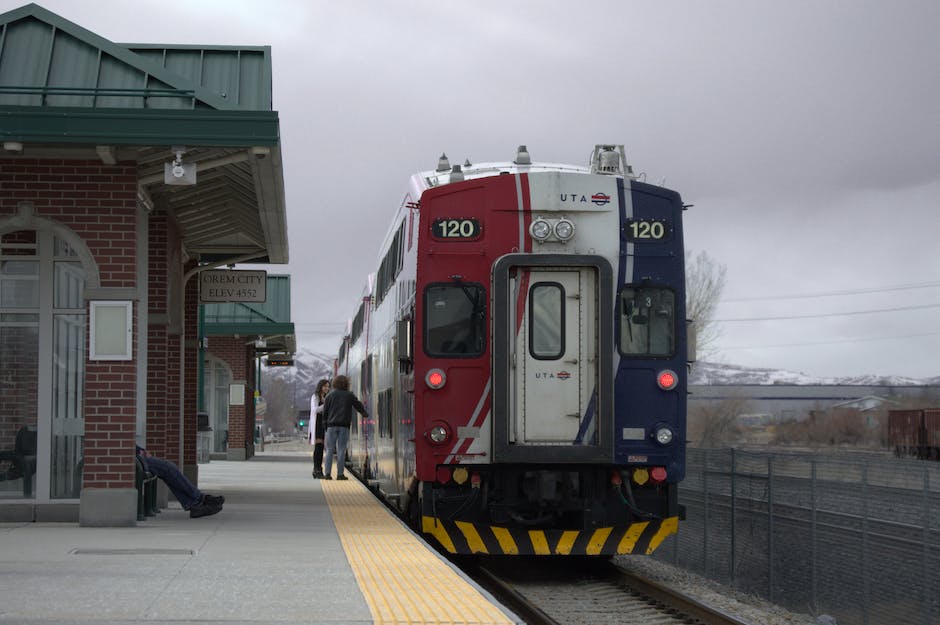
711,373
309,367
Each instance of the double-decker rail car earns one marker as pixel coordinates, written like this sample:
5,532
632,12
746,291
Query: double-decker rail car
522,351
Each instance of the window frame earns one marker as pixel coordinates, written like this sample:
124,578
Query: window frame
647,355
482,324
561,316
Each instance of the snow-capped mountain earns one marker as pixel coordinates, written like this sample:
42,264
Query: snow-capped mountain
710,373
309,367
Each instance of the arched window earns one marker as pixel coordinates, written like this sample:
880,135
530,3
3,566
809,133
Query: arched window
45,269
42,354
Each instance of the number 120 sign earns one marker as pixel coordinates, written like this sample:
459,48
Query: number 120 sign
647,230
455,229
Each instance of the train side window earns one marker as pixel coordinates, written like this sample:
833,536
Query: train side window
546,321
647,321
455,316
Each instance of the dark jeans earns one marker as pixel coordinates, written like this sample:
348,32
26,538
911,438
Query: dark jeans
318,457
184,490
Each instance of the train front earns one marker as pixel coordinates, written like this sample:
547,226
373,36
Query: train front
551,375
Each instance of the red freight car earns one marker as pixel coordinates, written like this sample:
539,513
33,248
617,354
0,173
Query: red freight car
915,433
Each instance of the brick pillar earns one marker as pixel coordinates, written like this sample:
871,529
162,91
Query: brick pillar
99,203
190,375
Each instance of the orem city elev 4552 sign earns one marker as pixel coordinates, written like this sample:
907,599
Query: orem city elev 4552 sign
227,285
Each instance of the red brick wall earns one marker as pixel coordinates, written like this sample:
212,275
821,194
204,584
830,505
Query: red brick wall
162,354
98,202
191,377
237,354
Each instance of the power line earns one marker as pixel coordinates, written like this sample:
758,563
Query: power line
883,289
835,314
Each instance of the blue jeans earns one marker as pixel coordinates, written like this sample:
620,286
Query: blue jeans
338,438
184,490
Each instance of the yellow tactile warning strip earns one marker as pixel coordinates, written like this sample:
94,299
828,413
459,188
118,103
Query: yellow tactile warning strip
402,580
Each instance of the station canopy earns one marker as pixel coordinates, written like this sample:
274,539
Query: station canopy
266,322
68,93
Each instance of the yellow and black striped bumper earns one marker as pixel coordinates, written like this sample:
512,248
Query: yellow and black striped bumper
467,538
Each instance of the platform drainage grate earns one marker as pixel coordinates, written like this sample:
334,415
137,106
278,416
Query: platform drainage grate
132,552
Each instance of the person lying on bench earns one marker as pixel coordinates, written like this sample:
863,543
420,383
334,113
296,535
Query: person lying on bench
191,498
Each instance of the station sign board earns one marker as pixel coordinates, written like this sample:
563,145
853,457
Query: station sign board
229,285
280,360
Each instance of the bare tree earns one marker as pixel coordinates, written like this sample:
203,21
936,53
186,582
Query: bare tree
704,281
715,424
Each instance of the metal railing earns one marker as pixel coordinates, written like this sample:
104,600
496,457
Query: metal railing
853,536
72,95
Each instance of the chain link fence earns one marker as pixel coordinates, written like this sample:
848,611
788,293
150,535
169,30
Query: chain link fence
854,536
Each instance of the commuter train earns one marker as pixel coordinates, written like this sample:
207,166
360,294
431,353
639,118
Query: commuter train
522,352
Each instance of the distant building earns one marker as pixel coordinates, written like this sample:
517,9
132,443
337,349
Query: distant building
787,402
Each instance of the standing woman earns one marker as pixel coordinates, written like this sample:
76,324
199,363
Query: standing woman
317,427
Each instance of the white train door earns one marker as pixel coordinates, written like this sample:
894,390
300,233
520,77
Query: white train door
552,397
555,354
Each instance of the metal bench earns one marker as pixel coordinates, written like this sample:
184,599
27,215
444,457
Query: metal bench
146,484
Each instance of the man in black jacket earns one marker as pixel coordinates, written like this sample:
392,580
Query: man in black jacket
337,415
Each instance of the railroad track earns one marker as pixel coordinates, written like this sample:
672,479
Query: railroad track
563,592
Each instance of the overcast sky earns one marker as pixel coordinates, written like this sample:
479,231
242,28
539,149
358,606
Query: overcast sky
805,133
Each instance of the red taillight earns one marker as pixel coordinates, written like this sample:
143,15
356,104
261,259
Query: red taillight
658,474
667,380
435,378
443,474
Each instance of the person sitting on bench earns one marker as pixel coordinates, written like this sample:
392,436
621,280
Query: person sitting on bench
191,498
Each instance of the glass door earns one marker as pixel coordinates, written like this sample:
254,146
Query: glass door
42,366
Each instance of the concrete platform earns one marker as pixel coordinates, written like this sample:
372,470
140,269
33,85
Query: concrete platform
281,551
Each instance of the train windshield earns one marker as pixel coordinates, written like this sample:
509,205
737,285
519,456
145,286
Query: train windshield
455,315
647,321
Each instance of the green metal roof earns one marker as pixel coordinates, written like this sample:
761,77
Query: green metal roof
270,319
241,76
49,61
66,92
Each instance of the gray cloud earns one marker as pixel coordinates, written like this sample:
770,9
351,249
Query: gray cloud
805,133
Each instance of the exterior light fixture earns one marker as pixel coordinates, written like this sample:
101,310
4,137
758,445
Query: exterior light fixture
564,229
540,230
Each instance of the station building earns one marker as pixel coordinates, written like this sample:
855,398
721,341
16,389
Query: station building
127,173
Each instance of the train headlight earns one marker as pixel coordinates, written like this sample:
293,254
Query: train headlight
663,434
667,380
438,434
564,229
435,378
540,229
